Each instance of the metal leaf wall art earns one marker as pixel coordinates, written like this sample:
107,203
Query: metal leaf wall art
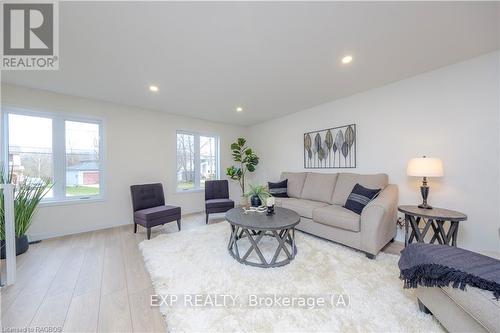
330,148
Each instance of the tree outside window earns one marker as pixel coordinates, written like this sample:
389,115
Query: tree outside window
197,160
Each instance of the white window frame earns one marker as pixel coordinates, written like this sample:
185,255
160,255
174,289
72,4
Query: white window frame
197,181
58,152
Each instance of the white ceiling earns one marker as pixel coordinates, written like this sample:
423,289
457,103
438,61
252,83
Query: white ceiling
270,58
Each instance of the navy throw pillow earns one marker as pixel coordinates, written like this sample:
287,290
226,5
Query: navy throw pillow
278,189
359,198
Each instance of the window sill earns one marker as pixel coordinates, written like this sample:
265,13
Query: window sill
191,190
76,201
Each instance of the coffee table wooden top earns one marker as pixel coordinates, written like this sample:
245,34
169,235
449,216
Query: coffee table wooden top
282,219
434,213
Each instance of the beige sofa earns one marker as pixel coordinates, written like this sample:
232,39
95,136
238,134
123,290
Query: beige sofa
318,199
470,310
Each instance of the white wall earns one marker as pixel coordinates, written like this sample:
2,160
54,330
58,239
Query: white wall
139,147
451,113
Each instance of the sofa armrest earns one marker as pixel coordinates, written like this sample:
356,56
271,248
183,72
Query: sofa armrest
378,220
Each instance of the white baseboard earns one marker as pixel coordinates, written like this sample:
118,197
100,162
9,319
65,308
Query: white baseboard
42,236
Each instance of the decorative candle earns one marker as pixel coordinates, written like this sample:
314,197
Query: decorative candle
270,202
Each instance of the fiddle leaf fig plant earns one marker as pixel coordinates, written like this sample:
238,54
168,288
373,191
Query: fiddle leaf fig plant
246,162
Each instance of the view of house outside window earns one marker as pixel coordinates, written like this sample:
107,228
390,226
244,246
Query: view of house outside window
30,149
208,159
82,158
197,160
74,169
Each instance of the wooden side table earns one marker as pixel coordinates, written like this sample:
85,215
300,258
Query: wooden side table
434,219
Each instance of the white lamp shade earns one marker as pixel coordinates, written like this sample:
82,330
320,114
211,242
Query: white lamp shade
425,167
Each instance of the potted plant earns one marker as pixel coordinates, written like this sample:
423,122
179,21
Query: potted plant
27,195
258,195
247,161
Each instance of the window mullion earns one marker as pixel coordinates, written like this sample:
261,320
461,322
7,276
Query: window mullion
102,187
59,157
4,149
197,182
217,159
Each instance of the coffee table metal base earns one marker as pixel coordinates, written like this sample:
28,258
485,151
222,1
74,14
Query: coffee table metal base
286,243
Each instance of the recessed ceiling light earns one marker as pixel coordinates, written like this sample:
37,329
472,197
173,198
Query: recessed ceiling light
153,88
347,59
239,109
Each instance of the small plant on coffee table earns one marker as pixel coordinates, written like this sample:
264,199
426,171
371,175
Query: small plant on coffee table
258,195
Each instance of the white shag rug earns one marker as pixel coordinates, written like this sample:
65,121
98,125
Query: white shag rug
196,261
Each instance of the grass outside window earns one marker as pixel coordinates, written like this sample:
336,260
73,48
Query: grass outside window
82,191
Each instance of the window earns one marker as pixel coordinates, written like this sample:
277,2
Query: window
82,159
197,160
30,149
208,159
64,150
185,161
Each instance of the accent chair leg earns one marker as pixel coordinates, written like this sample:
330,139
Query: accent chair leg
370,256
135,228
392,240
179,224
149,233
206,218
423,308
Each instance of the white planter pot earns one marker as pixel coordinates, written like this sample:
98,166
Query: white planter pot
243,201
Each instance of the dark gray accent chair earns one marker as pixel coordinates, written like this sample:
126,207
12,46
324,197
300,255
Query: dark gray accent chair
148,202
217,197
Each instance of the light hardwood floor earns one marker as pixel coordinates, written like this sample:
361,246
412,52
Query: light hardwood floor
94,281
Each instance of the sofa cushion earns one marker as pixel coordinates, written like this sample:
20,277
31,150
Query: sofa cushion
302,207
319,186
295,183
346,182
155,213
279,189
278,202
337,216
479,304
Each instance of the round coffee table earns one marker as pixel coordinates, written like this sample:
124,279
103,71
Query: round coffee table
253,226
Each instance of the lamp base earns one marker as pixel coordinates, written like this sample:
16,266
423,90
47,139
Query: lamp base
424,190
425,206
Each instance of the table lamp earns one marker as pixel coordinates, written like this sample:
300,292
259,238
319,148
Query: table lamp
425,167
